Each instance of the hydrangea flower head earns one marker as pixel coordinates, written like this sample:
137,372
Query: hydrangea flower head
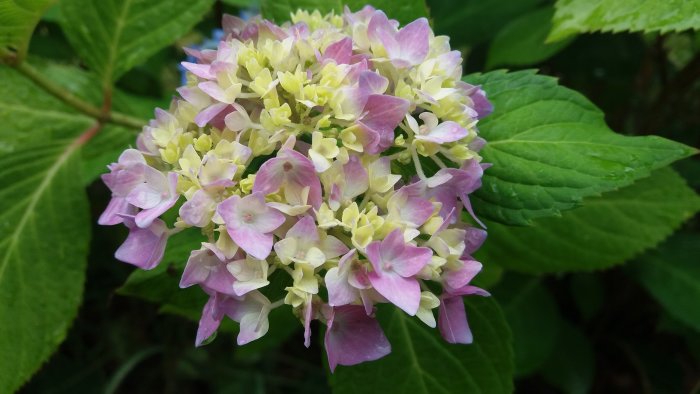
337,151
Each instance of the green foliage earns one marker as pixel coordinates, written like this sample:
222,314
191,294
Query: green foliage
588,294
672,275
521,42
17,21
533,318
403,11
550,147
113,36
45,228
585,16
421,362
470,22
572,365
30,114
606,231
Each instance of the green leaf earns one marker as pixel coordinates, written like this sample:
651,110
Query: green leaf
672,275
550,148
27,113
471,22
533,318
572,365
521,42
421,362
17,21
404,11
112,36
243,3
279,10
43,116
44,227
585,16
606,231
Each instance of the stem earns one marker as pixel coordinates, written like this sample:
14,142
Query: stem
438,161
83,106
416,162
87,134
277,304
336,232
365,200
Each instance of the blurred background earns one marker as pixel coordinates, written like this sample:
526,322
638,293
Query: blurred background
613,335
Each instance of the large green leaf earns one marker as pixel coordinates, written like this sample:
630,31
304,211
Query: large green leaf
113,36
521,42
607,230
550,147
470,22
421,362
583,16
27,113
403,11
672,275
44,230
30,114
533,318
17,21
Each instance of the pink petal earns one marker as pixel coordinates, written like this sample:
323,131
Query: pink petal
372,82
308,314
412,260
197,211
112,214
253,242
413,41
456,279
305,229
143,247
147,216
200,70
339,290
197,268
383,116
339,51
381,30
214,91
474,238
144,196
445,132
356,178
353,337
269,177
400,291
209,322
209,113
452,321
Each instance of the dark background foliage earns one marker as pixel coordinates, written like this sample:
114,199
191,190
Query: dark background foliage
608,332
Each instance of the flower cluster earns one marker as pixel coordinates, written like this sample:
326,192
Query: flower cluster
337,150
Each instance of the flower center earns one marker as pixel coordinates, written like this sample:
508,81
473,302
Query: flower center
247,217
287,166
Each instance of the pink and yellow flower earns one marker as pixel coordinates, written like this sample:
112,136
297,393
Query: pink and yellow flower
339,150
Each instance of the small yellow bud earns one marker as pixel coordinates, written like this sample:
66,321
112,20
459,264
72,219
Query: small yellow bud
203,143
